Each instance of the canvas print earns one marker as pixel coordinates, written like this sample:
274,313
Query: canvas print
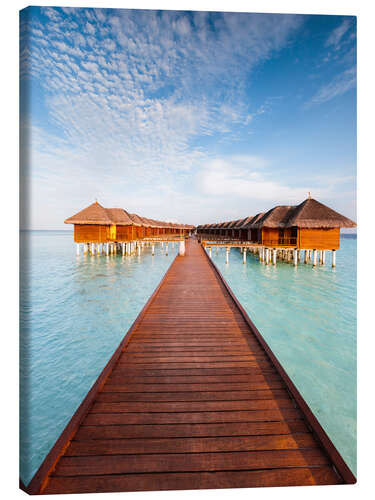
188,250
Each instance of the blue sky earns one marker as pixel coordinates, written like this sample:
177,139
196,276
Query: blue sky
187,116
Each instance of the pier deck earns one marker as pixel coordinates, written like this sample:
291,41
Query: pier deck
192,400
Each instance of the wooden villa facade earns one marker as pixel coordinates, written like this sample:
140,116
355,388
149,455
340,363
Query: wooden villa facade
109,230
283,231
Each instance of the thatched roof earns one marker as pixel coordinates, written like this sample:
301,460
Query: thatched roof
274,218
242,222
119,216
313,214
252,220
96,214
93,214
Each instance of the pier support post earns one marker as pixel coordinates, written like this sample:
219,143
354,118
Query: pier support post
123,248
320,257
210,251
181,250
92,248
166,248
323,257
78,249
85,248
295,257
139,249
152,249
227,255
306,256
267,256
333,258
244,255
274,256
314,257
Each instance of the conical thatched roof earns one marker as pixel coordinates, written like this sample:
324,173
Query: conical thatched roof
137,221
276,217
93,214
313,214
252,220
242,222
119,216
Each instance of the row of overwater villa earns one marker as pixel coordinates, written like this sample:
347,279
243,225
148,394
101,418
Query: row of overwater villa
114,230
281,233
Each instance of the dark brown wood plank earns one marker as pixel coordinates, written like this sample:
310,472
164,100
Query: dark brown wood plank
190,406
189,445
176,462
193,417
189,430
192,396
189,480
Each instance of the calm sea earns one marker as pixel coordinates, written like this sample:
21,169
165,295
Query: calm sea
76,310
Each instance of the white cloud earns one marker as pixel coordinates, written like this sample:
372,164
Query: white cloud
341,84
337,34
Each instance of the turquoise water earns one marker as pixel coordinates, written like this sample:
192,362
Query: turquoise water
74,311
308,318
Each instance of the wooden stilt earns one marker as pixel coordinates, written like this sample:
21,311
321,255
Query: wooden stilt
244,256
333,258
314,257
295,257
227,255
306,256
323,257
274,256
152,249
166,248
210,251
181,250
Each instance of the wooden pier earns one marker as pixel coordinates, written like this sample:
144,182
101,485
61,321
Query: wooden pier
192,398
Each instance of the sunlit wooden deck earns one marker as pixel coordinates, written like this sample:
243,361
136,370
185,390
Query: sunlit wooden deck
192,400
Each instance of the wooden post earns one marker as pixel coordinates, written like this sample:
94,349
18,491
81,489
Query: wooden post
306,256
181,250
314,257
267,256
85,248
274,256
323,257
139,249
123,248
295,257
152,249
299,255
333,258
244,255
166,248
227,255
210,251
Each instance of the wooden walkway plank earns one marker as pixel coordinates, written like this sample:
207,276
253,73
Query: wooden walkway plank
193,400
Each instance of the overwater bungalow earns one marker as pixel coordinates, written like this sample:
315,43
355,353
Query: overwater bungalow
285,230
112,229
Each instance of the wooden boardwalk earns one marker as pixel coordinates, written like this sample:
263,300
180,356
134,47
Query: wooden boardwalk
192,400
